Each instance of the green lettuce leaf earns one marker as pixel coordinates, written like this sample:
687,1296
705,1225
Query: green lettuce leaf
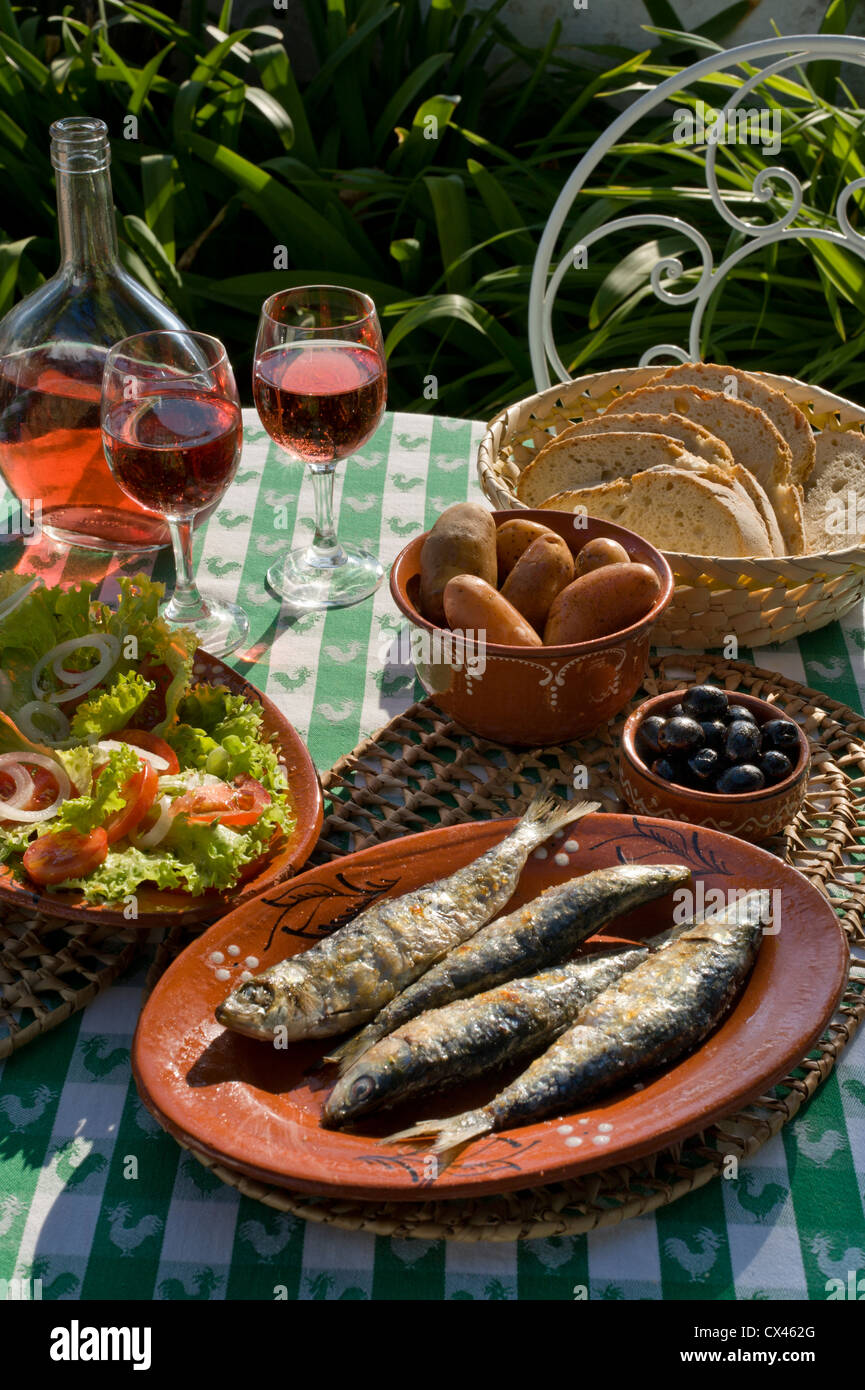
109,710
198,857
93,808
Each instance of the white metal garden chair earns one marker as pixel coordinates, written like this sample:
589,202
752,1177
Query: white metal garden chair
780,54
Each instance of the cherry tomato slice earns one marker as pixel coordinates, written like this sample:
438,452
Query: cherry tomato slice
139,791
152,711
151,743
44,788
65,854
235,804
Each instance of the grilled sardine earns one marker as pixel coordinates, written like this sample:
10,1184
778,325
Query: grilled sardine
472,1036
648,1017
344,980
541,933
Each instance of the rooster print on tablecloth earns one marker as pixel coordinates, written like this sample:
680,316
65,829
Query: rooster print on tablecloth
128,1237
21,1114
269,1237
205,1285
696,1254
838,1265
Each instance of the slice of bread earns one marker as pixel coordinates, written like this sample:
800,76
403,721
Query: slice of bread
753,439
835,496
764,507
696,439
589,459
678,511
788,419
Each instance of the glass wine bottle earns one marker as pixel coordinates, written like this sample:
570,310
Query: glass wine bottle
53,346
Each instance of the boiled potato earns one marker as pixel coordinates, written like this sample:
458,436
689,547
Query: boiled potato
601,603
513,539
539,575
470,603
603,550
462,541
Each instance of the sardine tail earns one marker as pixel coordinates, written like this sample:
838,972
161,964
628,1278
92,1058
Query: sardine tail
548,813
451,1135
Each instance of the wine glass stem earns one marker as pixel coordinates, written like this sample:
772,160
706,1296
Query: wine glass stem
325,551
186,604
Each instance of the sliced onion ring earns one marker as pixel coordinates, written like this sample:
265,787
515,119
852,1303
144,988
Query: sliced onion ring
81,681
24,785
11,603
31,730
64,786
110,745
149,839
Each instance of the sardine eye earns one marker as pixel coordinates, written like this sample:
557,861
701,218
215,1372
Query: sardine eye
363,1087
257,993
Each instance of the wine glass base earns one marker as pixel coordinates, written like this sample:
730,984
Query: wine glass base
223,628
306,587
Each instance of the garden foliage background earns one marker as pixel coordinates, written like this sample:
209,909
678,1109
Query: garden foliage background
235,178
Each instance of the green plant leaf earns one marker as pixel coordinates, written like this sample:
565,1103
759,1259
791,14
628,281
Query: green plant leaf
404,96
277,78
274,113
462,310
145,80
159,189
292,221
450,208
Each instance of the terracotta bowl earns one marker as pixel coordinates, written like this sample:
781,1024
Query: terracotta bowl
533,696
751,815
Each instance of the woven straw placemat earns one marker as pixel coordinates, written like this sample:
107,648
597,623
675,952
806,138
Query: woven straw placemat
422,770
51,969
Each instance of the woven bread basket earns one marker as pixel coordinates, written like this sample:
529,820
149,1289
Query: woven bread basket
756,601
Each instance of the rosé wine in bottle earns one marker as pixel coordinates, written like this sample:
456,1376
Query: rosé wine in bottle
53,346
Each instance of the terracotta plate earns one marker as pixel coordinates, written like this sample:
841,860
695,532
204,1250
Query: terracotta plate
157,907
256,1108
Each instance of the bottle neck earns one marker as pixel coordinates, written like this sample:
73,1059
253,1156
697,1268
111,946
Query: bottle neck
85,212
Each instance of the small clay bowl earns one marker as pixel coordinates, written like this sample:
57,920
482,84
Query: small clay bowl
751,815
533,696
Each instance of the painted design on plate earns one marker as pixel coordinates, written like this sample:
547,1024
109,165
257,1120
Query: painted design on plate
315,896
686,847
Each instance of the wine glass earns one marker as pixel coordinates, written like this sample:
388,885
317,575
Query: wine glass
319,383
172,433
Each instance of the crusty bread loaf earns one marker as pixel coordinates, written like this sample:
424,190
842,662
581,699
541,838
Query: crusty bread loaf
696,439
589,459
788,419
752,438
676,510
835,496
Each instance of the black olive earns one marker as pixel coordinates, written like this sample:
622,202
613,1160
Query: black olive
705,766
780,735
715,733
668,770
647,734
705,702
682,735
741,713
744,777
675,711
775,766
743,742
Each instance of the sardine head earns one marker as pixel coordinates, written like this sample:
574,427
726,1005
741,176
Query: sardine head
263,1008
350,1097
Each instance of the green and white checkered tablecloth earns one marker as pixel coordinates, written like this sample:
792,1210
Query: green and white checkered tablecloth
70,1118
